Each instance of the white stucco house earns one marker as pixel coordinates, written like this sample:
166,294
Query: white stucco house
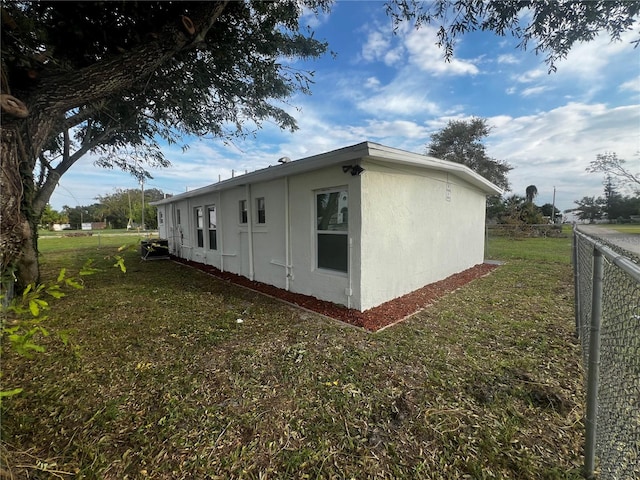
356,226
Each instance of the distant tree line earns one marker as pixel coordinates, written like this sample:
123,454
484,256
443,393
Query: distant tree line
121,209
517,209
613,205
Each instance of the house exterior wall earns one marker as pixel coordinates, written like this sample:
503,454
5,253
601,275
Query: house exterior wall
258,250
268,238
307,277
409,221
232,235
418,226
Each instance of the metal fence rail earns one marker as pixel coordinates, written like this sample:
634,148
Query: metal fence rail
607,305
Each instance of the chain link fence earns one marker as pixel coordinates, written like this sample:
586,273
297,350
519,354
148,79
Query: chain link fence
607,304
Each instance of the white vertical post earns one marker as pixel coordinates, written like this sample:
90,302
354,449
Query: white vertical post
142,188
576,284
250,229
287,233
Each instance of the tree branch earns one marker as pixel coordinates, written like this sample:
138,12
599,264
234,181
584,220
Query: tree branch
63,92
46,190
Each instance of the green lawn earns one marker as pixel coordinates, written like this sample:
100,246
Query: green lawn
97,240
163,381
630,229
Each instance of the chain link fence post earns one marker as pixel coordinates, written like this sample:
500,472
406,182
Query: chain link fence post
576,280
594,366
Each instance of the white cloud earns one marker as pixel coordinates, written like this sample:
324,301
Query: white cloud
428,57
383,131
377,47
586,69
590,59
311,19
396,100
372,83
632,85
531,75
553,148
415,47
528,92
508,59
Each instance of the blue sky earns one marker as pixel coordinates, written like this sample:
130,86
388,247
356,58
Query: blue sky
397,90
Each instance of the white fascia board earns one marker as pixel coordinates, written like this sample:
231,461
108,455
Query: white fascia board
393,155
371,150
347,154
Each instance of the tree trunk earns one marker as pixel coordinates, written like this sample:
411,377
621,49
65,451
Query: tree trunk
18,255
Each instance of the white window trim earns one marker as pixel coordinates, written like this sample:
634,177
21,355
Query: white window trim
340,273
240,210
196,217
208,209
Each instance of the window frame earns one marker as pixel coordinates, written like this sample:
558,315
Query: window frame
212,245
320,262
243,213
199,224
261,213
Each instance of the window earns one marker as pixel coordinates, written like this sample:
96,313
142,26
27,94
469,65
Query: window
160,217
261,210
332,229
213,238
178,217
199,226
243,211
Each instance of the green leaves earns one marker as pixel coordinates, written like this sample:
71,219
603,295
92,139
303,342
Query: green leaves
461,141
552,27
120,263
24,344
9,393
88,269
35,305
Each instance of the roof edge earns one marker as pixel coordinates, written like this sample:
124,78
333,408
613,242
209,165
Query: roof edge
360,150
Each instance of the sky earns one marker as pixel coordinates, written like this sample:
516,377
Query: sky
397,90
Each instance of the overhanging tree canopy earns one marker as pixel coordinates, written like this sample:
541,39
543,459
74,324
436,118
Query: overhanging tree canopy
114,78
551,26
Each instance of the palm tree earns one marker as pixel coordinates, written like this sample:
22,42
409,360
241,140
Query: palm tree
531,193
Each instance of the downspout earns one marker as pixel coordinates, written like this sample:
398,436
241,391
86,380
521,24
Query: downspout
219,229
349,291
250,230
189,229
174,246
287,233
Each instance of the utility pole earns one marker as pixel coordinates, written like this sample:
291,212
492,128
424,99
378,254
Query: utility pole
142,186
553,208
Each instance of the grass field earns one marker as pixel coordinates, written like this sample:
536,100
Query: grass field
162,380
630,229
57,241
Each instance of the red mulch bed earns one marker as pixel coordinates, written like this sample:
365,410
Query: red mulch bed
373,319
